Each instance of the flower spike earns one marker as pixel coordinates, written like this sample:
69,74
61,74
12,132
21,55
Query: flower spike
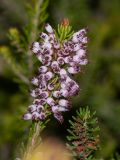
61,56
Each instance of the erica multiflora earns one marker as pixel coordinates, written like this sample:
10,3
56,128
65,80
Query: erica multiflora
60,57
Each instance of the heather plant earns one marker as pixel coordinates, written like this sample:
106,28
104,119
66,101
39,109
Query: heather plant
52,57
60,58
61,54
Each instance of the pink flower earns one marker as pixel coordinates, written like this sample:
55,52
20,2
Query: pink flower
53,84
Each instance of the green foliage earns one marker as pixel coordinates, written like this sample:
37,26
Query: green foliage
100,83
21,66
64,32
34,139
84,137
14,66
18,55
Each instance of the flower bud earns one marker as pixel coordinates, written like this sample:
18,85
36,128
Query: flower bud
44,94
63,85
51,86
47,52
32,108
50,101
63,102
43,86
43,69
56,94
48,28
35,47
85,40
74,69
27,116
63,72
62,109
46,60
39,101
59,117
68,59
44,36
55,66
74,90
42,116
54,109
35,81
60,60
47,45
75,38
83,62
35,93
64,93
76,47
76,58
40,108
56,45
35,115
48,76
81,52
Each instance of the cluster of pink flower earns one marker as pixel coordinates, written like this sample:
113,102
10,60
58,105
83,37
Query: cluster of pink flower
54,83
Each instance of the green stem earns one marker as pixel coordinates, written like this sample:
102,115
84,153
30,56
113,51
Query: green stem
33,141
34,31
36,134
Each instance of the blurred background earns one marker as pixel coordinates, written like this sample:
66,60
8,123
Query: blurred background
100,81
